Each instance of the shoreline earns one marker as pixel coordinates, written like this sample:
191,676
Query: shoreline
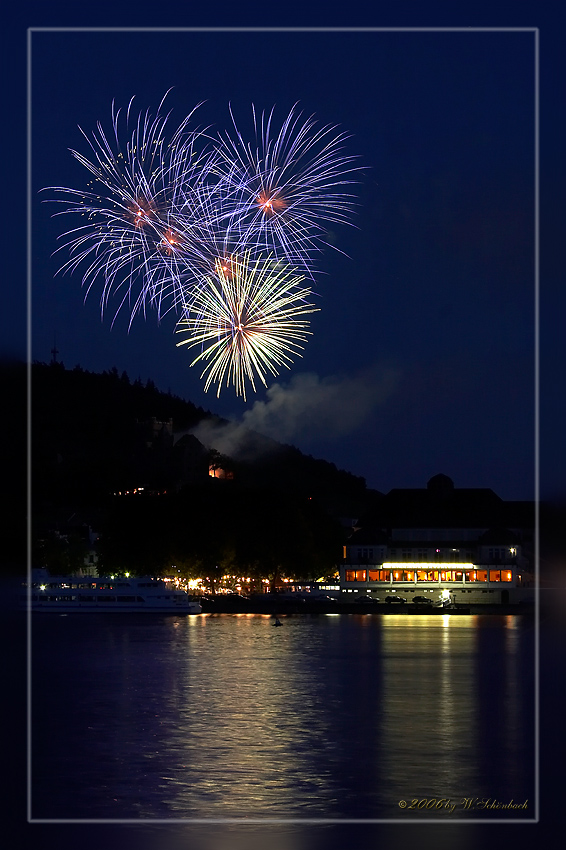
290,606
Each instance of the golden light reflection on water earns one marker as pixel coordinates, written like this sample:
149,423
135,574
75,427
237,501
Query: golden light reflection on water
221,716
251,719
428,705
422,732
436,718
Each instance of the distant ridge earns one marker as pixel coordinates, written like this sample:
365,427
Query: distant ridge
94,427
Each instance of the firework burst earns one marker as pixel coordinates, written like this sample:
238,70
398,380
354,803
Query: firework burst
281,193
130,239
219,230
248,321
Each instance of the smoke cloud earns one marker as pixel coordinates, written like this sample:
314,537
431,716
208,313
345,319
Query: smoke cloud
308,409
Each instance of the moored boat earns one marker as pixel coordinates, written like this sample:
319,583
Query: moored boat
69,594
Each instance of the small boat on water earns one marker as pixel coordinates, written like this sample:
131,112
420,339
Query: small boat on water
69,594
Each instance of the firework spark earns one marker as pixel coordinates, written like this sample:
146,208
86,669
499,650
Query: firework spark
248,321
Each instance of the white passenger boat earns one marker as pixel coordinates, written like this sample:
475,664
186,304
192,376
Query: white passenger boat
68,594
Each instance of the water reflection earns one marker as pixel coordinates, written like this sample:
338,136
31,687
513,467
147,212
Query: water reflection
428,706
505,701
222,716
254,731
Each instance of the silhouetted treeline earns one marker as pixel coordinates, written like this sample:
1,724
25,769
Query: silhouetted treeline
97,436
210,530
89,433
92,433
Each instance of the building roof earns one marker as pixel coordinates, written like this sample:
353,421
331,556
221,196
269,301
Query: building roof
440,484
441,505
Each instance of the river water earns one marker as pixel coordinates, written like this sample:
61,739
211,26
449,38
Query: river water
330,717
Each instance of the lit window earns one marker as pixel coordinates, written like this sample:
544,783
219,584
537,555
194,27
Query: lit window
356,575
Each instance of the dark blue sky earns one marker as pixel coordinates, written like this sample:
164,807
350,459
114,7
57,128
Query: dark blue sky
422,356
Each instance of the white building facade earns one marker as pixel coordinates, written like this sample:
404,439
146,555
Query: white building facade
441,556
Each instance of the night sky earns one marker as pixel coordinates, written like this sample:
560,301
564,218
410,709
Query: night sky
434,308
422,358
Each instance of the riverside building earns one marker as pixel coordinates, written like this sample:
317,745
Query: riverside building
463,545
